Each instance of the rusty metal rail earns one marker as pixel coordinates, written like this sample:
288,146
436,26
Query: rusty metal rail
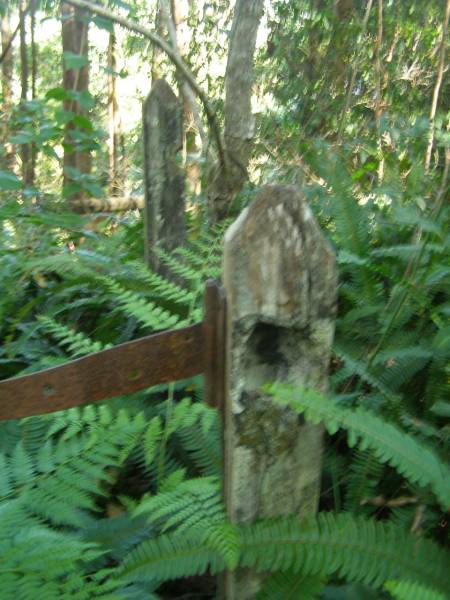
130,367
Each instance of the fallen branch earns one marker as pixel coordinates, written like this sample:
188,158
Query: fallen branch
112,204
393,503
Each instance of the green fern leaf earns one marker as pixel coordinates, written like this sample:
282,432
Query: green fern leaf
168,557
147,313
152,437
356,548
408,590
78,344
22,469
291,586
365,473
411,458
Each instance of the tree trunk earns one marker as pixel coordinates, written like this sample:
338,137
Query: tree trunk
33,78
379,89
23,53
7,64
115,179
193,127
7,159
157,53
164,179
437,86
75,40
225,183
343,8
25,152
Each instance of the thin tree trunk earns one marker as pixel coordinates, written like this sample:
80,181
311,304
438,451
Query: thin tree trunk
437,86
239,121
157,53
7,160
7,64
351,84
23,53
379,89
180,36
33,48
33,79
75,40
343,8
25,152
114,122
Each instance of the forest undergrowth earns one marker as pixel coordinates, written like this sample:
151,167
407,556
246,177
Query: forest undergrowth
129,491
123,499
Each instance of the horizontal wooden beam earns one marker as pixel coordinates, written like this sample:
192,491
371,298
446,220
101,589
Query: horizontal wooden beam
159,358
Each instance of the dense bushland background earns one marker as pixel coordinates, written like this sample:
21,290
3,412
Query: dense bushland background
122,500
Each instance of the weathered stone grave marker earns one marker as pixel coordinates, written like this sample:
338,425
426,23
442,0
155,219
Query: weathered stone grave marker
164,178
280,281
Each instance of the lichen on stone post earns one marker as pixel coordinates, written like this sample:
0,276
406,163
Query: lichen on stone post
164,179
280,281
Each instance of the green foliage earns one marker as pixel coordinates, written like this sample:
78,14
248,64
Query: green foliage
77,344
110,501
404,590
354,547
156,464
359,549
411,458
67,474
55,497
318,65
50,494
290,585
9,181
365,473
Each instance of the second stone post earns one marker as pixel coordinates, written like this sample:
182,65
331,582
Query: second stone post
164,179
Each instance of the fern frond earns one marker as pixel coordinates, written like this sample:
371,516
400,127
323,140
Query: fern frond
201,439
168,557
222,537
355,548
42,563
65,476
355,366
291,586
348,214
403,516
401,364
13,515
147,313
138,591
116,536
152,438
207,264
192,258
189,503
408,590
192,275
411,458
365,474
161,287
78,344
